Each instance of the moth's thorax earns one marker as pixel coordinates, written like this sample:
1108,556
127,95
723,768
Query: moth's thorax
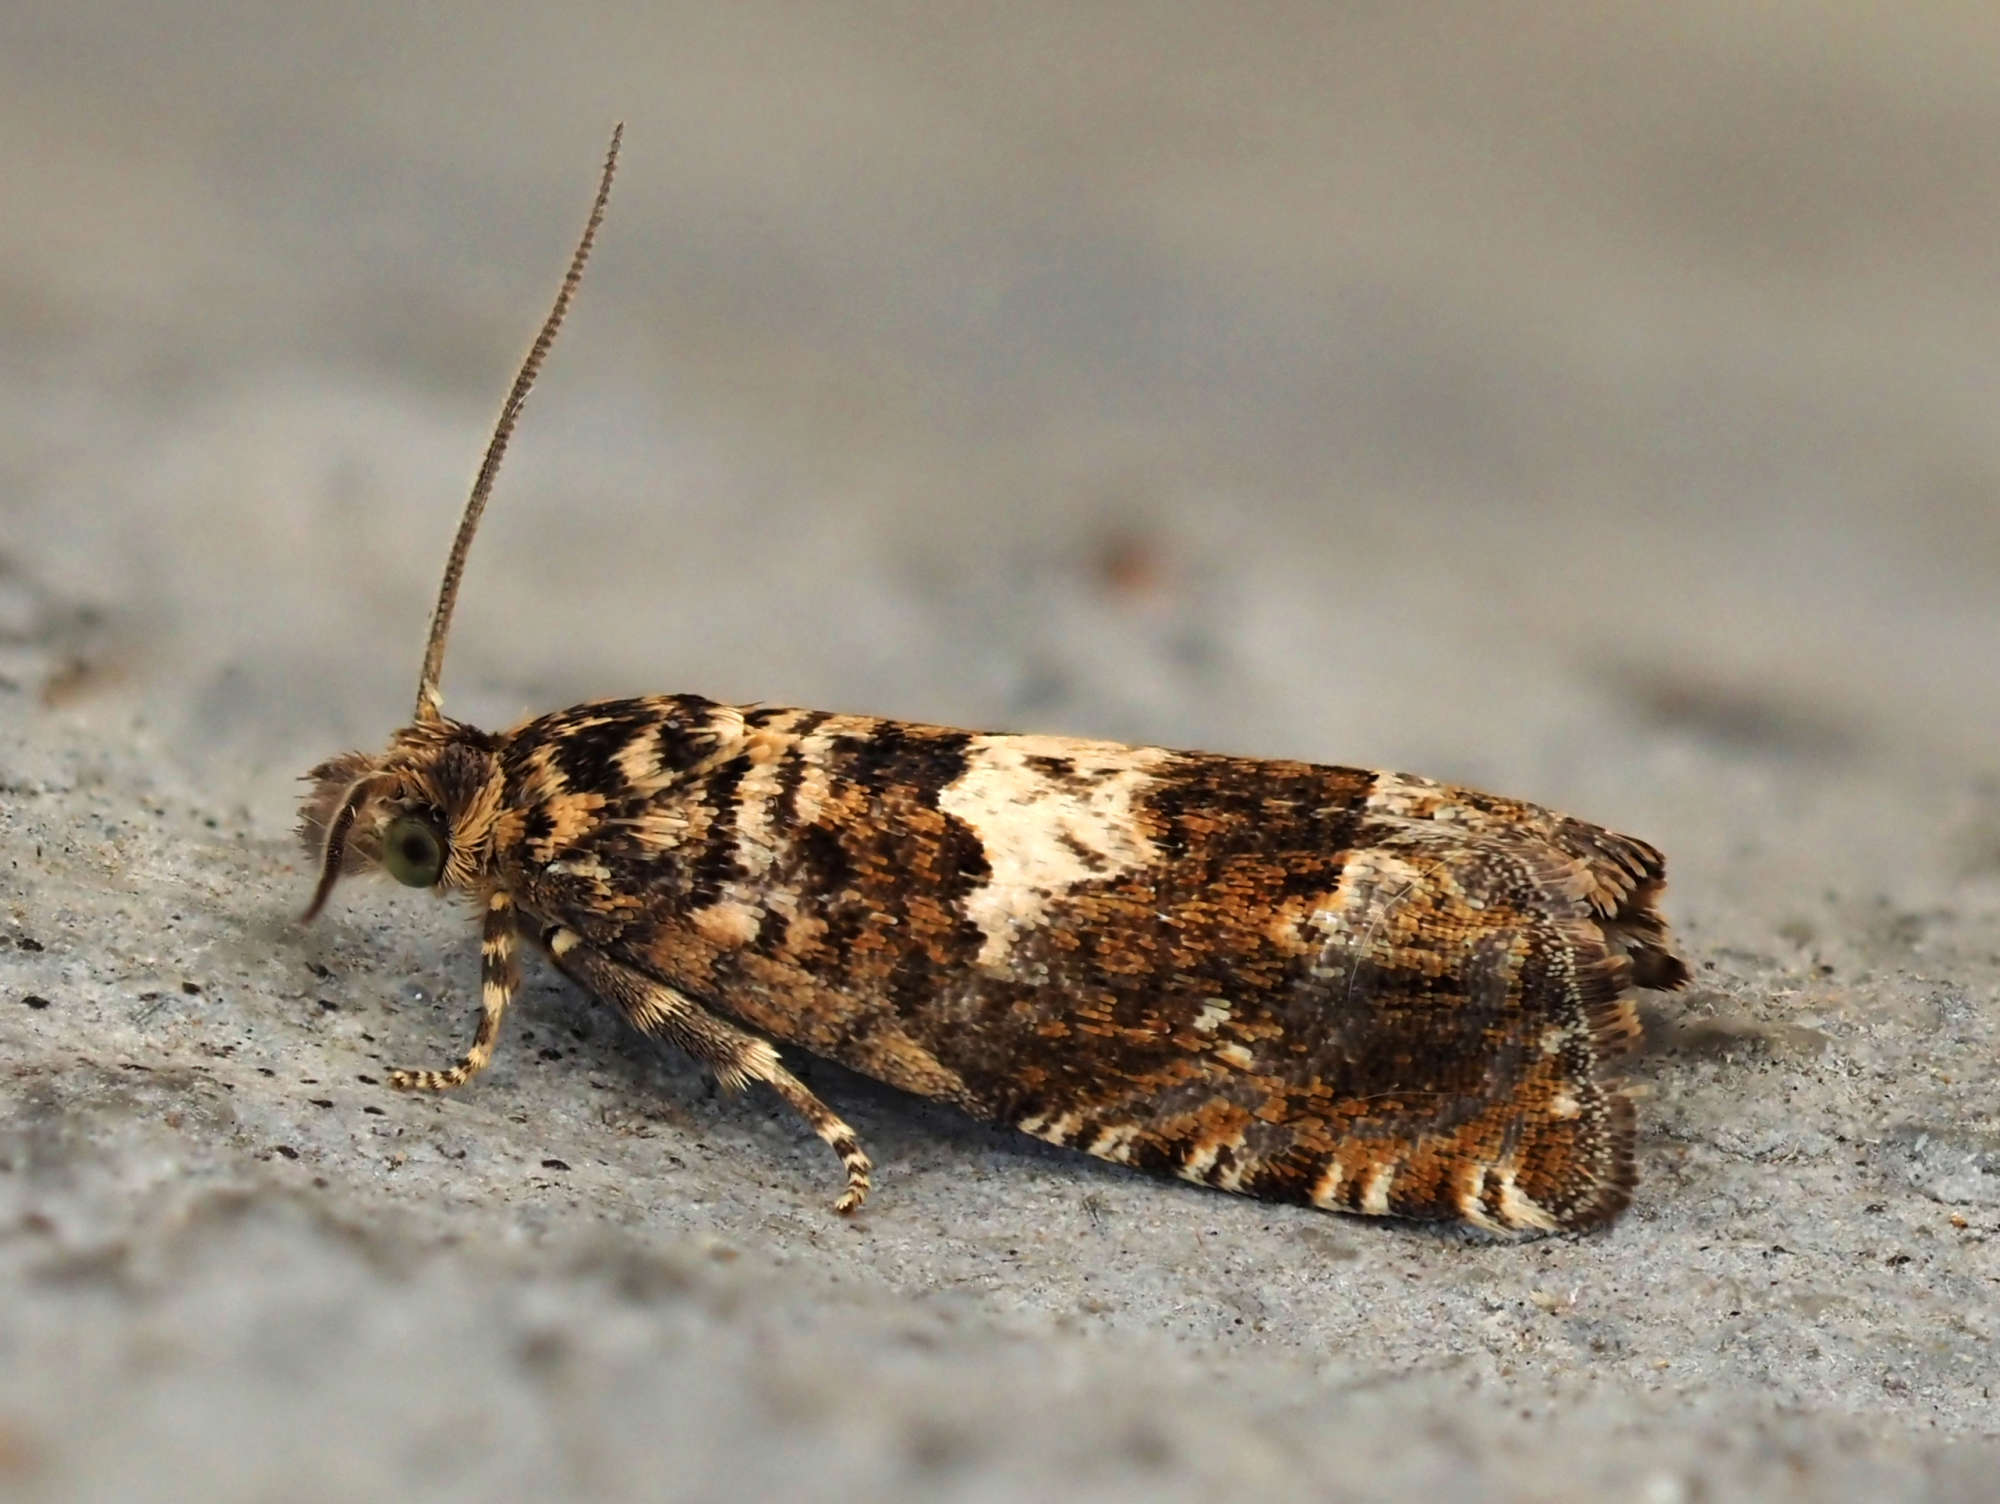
444,770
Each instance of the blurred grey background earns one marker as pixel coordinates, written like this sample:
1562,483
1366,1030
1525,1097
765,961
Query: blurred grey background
1365,383
1596,403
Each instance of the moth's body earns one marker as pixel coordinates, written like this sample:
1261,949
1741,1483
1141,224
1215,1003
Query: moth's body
1355,989
1360,990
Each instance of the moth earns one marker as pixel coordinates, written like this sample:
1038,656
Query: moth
1361,990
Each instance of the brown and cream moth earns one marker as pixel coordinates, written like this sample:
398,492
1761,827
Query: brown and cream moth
1361,990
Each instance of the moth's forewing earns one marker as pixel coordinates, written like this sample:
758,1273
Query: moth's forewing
1301,982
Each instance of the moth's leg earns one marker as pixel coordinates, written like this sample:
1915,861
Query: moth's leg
498,977
736,1056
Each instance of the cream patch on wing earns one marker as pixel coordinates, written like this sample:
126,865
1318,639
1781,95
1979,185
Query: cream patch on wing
571,815
816,789
728,923
1356,921
1406,795
640,758
757,794
1051,814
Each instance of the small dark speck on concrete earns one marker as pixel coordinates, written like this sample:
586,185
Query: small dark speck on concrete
323,973
367,1080
35,1002
321,1101
554,1164
29,942
192,989
329,1005
373,1112
285,1149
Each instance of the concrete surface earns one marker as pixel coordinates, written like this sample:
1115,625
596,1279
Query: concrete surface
1600,412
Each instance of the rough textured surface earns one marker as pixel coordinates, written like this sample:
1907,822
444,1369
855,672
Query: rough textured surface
1602,418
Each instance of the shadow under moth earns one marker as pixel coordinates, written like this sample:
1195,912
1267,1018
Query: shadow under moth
1361,990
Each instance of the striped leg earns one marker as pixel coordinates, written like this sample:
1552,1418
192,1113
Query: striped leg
736,1057
498,977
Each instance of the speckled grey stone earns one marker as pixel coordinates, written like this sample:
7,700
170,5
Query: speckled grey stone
1600,417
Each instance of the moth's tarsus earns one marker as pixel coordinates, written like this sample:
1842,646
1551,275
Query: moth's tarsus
430,705
498,979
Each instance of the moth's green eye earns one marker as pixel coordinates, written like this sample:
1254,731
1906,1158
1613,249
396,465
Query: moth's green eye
413,851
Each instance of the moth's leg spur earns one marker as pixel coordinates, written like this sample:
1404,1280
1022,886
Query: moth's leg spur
736,1056
498,978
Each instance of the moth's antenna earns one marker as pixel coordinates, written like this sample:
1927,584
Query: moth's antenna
430,706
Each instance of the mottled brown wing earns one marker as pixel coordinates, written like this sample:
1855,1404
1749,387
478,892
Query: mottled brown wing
1358,990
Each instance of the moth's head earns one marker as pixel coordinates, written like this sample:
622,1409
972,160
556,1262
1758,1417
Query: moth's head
423,811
